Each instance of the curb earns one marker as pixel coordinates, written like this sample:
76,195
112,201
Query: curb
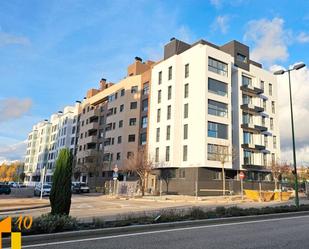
47,238
23,208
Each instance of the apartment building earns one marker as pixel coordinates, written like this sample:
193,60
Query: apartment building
207,99
112,124
46,139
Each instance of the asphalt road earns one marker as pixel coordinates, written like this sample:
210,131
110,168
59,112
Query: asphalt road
287,232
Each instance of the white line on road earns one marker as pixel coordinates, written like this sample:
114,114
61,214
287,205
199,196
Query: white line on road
159,231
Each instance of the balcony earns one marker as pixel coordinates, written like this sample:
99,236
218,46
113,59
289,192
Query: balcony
253,166
91,139
253,147
252,108
251,89
254,128
93,126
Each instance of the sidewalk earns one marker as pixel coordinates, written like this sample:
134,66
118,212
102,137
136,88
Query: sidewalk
11,204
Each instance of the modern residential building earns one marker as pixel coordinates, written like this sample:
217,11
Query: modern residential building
112,124
46,139
208,101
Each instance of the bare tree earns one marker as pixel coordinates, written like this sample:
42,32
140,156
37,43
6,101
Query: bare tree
278,170
141,164
224,154
166,176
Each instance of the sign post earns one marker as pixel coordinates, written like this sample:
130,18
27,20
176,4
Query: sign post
242,176
42,181
115,177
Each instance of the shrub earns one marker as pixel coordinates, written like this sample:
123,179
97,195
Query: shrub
60,195
197,213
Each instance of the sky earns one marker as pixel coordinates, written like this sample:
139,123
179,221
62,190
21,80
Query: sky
51,52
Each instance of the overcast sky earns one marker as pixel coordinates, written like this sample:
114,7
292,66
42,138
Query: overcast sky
51,52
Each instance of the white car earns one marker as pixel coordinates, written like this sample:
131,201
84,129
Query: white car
46,189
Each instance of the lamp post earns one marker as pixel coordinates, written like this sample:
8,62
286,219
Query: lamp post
280,72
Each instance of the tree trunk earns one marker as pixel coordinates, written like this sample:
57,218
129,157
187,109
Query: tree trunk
223,180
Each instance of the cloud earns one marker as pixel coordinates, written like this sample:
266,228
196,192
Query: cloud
12,108
300,89
221,23
10,39
302,37
13,152
270,40
216,3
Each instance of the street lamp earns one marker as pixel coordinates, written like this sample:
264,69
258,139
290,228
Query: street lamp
280,72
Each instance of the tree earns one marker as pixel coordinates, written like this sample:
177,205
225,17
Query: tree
60,195
278,170
142,165
166,176
223,154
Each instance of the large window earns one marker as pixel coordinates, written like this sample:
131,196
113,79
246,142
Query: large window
247,118
248,138
217,87
145,105
217,130
216,66
133,105
246,99
215,152
157,155
248,157
217,108
143,138
246,81
144,122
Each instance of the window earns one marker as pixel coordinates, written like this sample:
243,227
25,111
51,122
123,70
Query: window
143,138
275,142
248,157
247,118
185,131
115,110
158,115
271,123
133,105
118,156
263,121
186,91
215,151
185,153
144,122
246,81
120,124
119,139
72,140
158,135
241,58
248,137
132,121
168,132
169,92
270,89
146,88
217,108
273,109
216,66
167,153
159,96
73,129
170,73
134,89
246,99
217,130
186,110
121,108
265,140
262,84
130,154
169,108
145,105
122,92
273,158
157,155
160,78
264,159
131,138
217,87
264,104
186,70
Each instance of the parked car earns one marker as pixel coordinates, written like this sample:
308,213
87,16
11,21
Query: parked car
5,189
46,189
80,187
14,184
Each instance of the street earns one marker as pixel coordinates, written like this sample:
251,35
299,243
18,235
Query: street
286,232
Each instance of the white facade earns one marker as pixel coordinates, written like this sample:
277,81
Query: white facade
191,71
46,139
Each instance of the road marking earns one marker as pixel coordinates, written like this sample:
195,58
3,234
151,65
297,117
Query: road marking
158,231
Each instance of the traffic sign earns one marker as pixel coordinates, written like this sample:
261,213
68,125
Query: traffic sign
241,175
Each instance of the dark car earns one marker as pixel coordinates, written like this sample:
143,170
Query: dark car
5,189
80,187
